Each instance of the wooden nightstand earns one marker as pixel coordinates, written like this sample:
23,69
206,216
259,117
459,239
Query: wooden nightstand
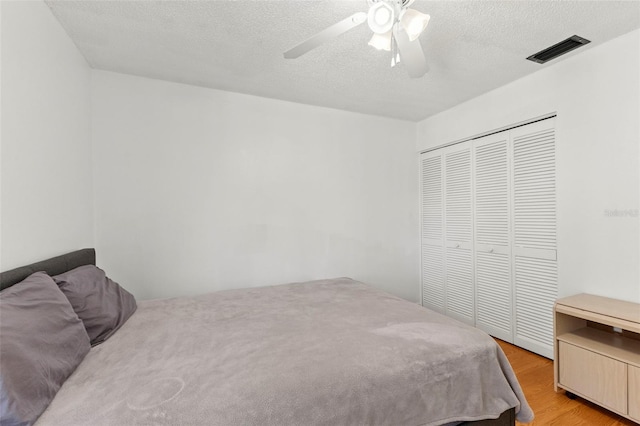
597,351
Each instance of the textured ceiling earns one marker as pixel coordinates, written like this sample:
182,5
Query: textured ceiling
471,46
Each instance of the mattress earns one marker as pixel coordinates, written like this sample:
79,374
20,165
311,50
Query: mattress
329,352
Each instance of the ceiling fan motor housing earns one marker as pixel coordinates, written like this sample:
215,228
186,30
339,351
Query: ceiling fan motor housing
383,14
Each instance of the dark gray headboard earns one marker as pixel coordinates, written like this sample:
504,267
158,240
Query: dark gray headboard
54,266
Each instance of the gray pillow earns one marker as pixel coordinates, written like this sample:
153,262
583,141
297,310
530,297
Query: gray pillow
101,304
43,341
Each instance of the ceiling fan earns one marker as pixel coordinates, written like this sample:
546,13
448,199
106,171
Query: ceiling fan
395,27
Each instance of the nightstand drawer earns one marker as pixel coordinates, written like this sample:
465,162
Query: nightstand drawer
594,376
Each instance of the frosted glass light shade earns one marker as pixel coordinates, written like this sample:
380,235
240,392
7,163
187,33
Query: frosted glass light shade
381,41
414,23
381,17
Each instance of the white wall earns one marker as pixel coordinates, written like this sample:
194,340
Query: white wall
596,95
46,201
198,190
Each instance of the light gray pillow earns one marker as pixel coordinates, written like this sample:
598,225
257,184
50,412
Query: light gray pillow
43,341
101,304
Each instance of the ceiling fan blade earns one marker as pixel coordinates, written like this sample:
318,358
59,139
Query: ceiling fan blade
327,34
411,53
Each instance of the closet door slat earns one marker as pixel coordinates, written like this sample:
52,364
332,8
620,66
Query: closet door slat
535,296
534,219
458,219
534,188
432,211
433,277
493,289
492,236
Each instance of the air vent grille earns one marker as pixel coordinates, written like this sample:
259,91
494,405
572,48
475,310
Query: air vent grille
558,49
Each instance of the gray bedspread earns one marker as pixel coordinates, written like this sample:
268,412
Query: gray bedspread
330,352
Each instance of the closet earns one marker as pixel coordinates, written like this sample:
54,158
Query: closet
488,209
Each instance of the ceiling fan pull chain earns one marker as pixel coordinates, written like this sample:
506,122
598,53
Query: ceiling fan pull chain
394,50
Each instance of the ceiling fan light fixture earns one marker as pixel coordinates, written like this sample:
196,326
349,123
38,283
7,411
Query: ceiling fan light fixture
414,23
381,17
381,41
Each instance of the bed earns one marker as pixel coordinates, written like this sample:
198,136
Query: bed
328,352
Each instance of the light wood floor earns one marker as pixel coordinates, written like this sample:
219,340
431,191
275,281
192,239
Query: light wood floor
535,374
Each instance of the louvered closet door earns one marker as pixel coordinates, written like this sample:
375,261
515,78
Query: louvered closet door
459,277
432,196
494,304
534,250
